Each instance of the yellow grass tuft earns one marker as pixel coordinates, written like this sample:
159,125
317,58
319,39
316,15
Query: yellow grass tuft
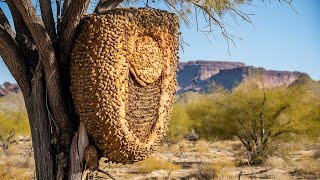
201,146
153,164
219,169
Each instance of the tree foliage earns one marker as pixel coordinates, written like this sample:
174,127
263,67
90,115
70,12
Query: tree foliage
180,123
258,117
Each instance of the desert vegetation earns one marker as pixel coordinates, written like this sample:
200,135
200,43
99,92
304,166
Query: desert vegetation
250,132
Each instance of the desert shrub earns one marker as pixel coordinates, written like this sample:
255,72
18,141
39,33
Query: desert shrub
153,164
214,170
180,123
14,121
260,118
205,171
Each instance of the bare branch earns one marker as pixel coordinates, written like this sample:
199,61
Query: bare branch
5,23
11,134
19,25
105,5
262,114
290,4
47,17
70,21
38,32
23,37
14,61
275,116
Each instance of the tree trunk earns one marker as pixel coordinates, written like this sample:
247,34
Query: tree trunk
51,143
40,130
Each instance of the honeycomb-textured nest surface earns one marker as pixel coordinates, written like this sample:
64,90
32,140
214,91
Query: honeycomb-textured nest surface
123,79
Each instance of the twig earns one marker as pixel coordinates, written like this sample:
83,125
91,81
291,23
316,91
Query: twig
251,167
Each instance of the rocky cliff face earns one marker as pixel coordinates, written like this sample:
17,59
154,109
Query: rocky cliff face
202,71
199,75
7,88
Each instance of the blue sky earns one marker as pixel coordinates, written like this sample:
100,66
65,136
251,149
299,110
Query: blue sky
279,39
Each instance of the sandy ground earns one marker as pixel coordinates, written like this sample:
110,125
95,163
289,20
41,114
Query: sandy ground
186,160
224,156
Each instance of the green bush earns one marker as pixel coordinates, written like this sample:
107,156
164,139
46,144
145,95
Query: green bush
180,123
257,116
14,121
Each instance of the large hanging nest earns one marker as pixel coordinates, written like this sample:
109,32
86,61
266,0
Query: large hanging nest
123,79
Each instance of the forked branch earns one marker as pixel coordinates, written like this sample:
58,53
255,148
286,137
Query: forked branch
13,59
37,30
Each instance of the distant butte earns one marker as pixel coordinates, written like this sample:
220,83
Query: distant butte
198,75
7,88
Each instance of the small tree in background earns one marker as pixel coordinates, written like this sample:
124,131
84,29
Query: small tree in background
258,117
5,142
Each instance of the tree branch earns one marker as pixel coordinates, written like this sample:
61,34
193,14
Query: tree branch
19,24
5,23
47,57
37,30
275,116
24,38
14,61
262,114
70,21
47,17
105,5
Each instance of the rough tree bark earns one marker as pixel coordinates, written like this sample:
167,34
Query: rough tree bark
37,53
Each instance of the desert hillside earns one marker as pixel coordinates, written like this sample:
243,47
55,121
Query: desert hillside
197,76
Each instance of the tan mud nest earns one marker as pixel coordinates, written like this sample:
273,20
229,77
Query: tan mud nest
123,79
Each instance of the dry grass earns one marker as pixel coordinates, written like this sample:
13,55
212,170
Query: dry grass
309,166
274,162
16,167
153,164
201,146
215,170
282,176
182,146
